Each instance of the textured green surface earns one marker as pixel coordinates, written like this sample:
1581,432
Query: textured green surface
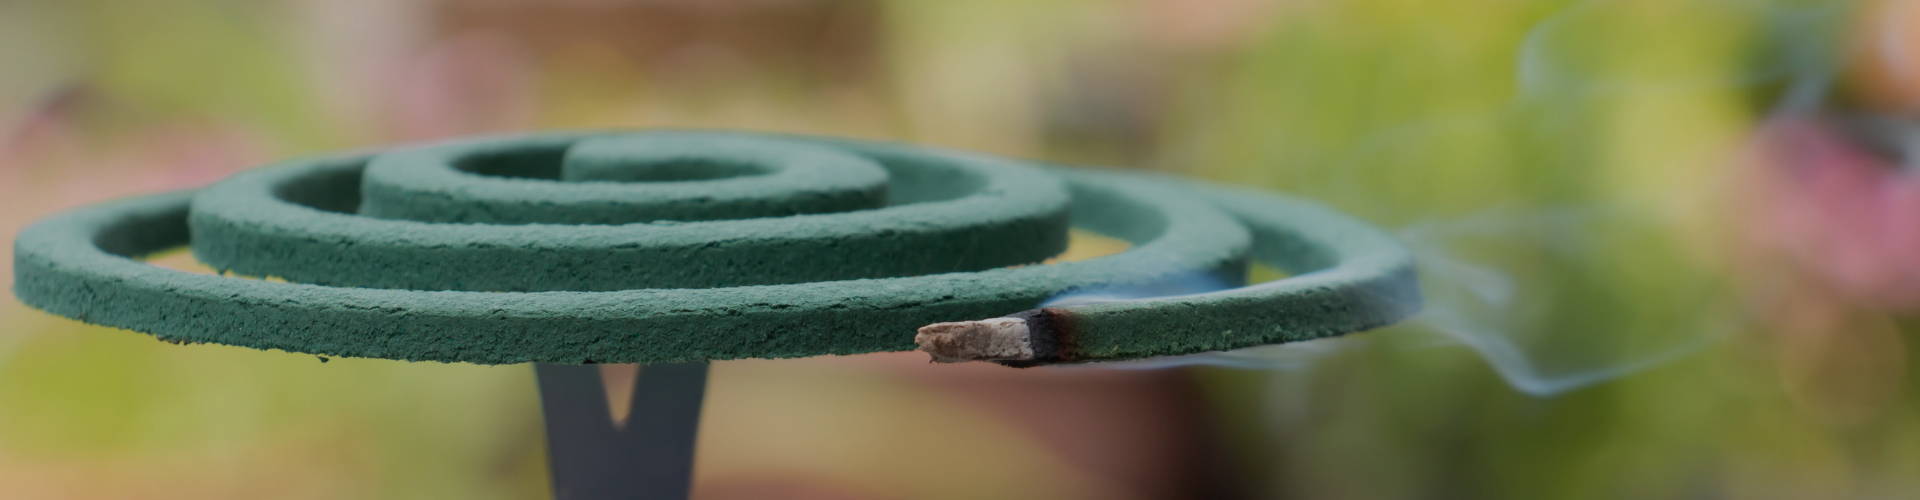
707,177
830,283
1347,277
275,222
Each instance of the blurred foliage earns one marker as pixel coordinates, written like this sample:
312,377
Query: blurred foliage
1571,173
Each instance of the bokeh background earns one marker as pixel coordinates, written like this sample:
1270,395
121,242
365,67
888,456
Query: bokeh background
1673,246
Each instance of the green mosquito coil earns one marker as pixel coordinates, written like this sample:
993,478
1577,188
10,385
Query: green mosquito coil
658,247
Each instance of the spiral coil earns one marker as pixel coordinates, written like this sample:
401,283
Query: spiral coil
686,246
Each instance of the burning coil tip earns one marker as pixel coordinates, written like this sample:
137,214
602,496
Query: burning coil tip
1024,339
993,339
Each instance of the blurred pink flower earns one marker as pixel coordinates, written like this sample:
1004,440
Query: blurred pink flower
463,85
180,156
51,152
169,157
1845,215
1207,24
51,160
38,128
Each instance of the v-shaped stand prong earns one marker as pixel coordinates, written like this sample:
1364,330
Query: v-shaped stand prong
593,456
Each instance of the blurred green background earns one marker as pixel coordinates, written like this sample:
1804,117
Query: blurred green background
1672,245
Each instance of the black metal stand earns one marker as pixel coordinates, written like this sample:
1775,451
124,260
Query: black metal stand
650,456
